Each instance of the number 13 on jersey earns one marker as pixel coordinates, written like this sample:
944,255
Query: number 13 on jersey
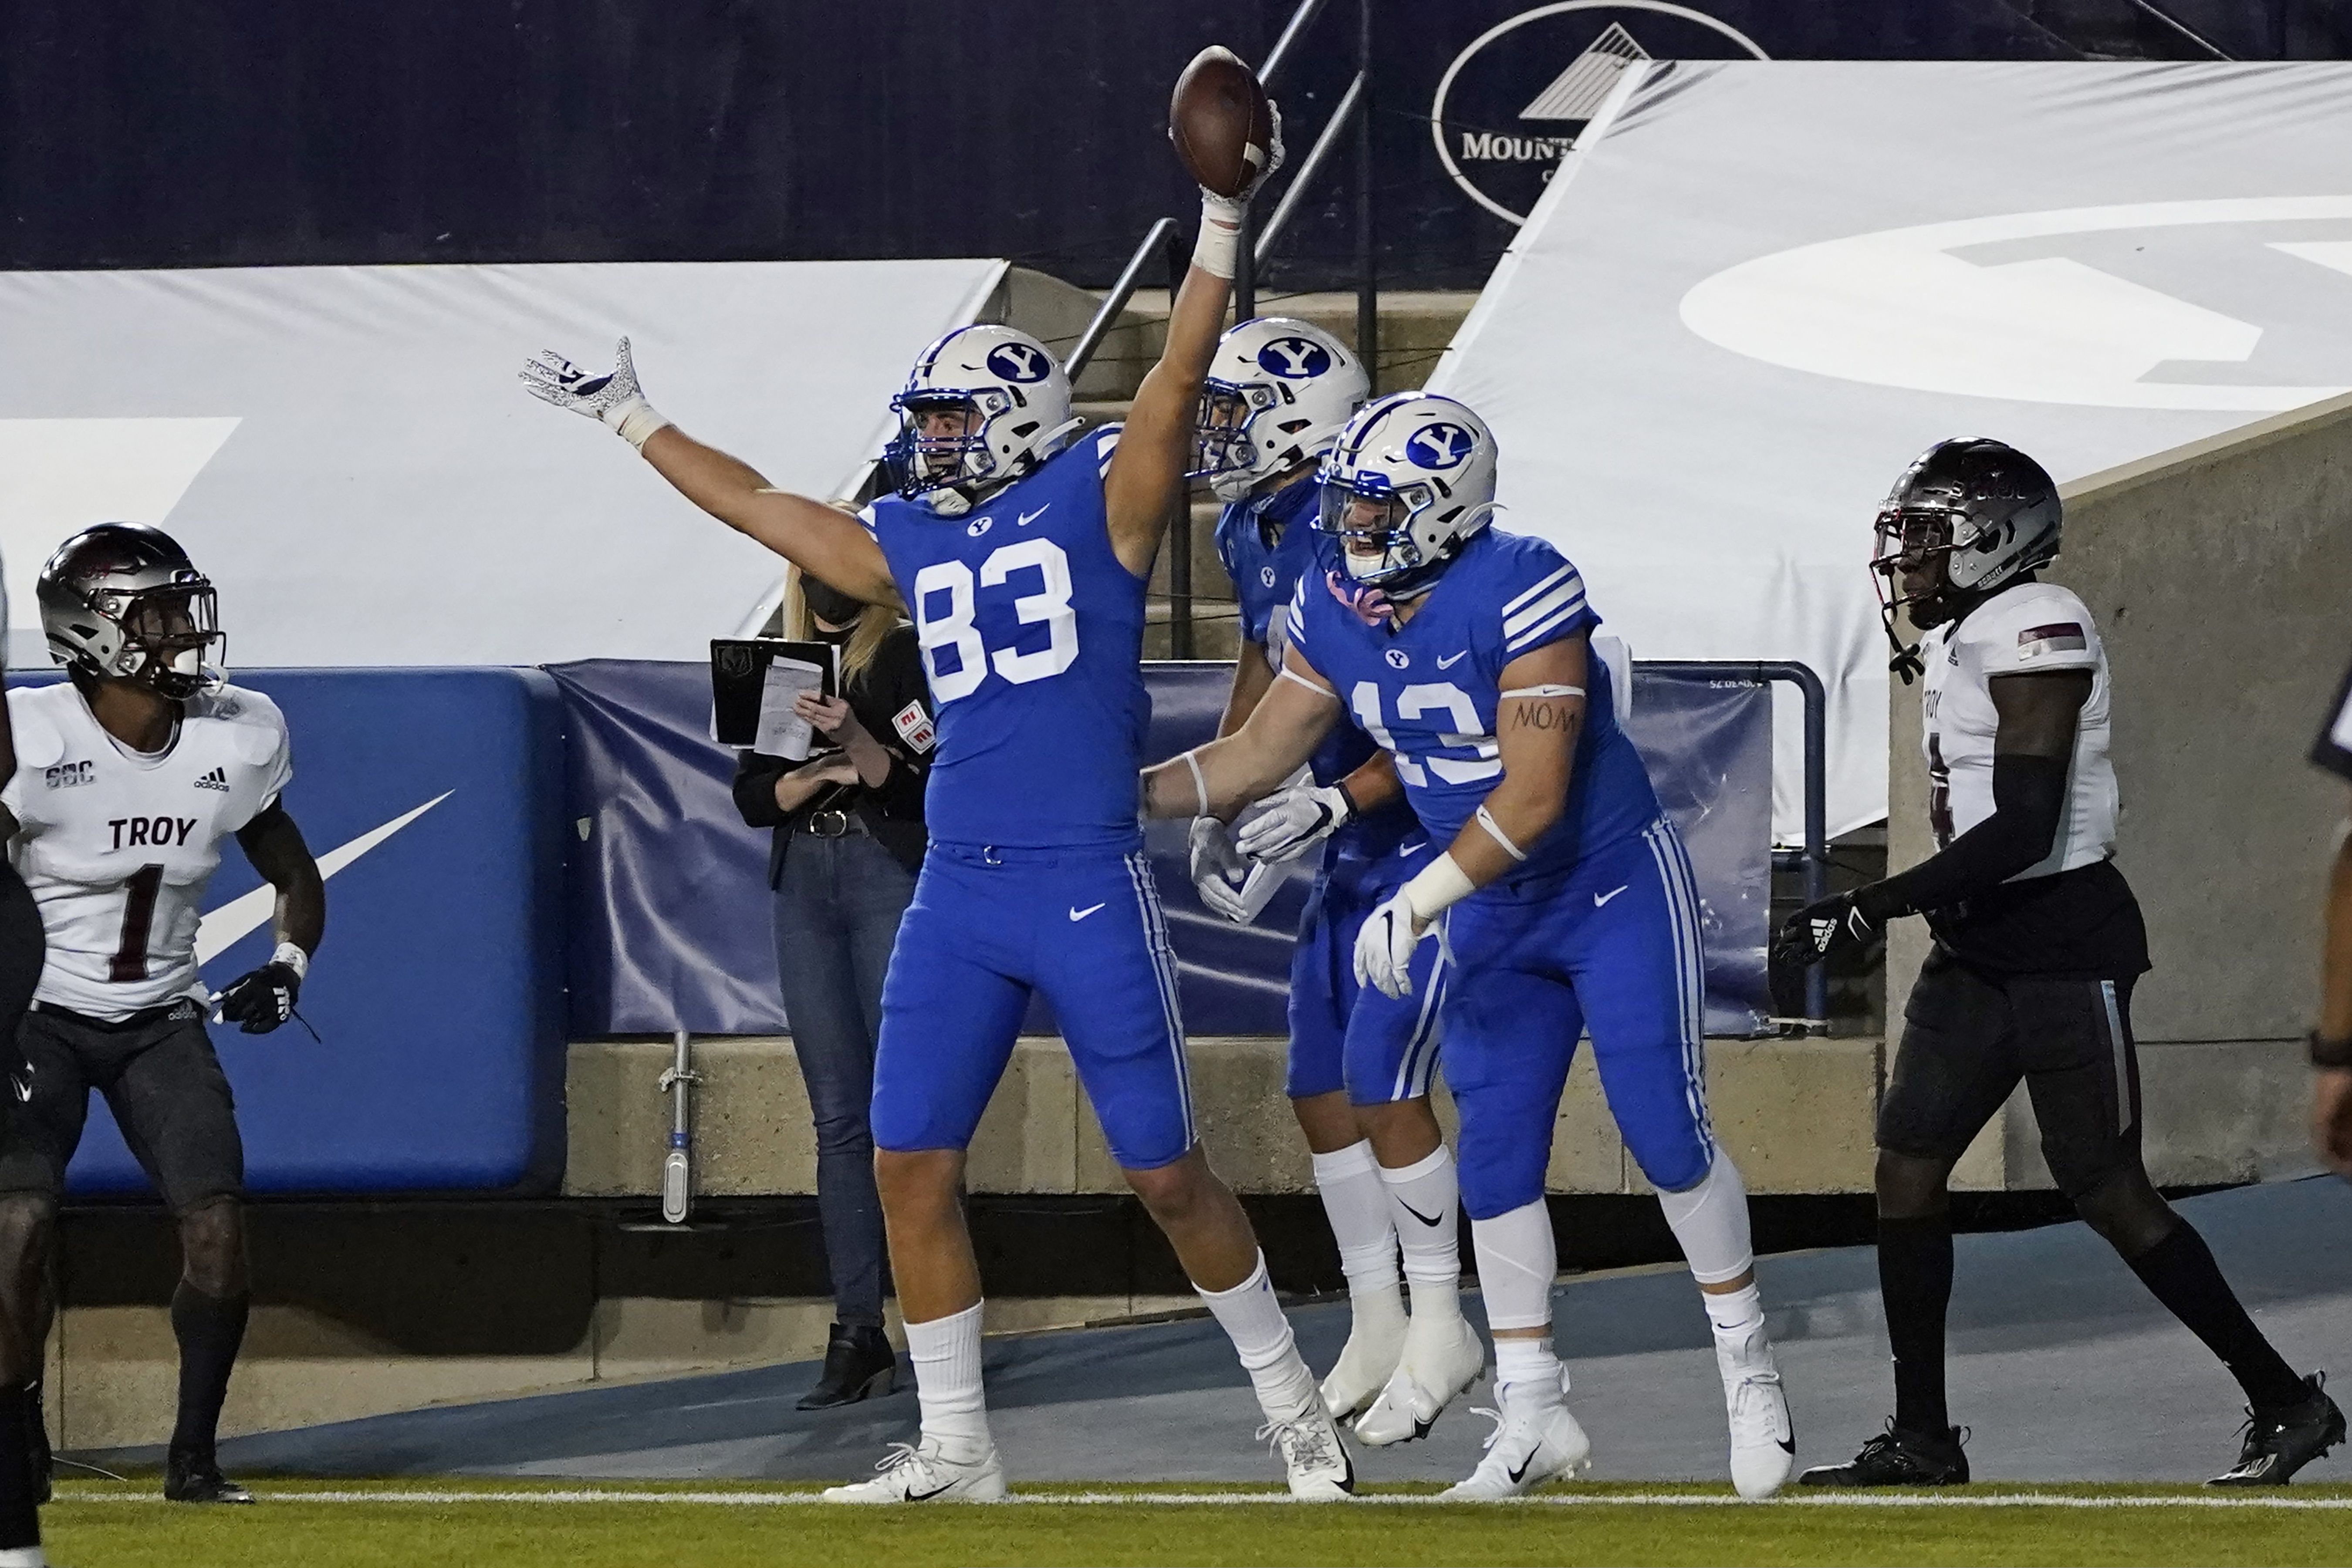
946,618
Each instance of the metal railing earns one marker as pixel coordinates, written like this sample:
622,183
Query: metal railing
1816,852
1161,237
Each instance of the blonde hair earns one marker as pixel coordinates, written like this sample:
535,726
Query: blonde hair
872,628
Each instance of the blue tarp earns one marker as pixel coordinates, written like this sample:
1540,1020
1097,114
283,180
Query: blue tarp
667,905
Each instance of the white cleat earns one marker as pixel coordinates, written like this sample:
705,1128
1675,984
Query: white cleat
1437,1367
1365,1365
1314,1458
1527,1447
924,1473
1763,1438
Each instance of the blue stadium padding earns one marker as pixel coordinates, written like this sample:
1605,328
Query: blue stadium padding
668,904
439,989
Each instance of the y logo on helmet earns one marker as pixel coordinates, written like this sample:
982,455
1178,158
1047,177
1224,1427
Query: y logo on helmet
1294,359
1439,445
1020,362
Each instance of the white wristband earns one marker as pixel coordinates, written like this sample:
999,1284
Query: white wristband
1200,785
1549,689
636,420
292,957
1218,250
1438,886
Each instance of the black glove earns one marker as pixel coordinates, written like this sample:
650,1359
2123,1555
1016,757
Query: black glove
1818,930
260,1001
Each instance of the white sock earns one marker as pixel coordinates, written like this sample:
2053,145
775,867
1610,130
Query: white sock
23,1557
946,1354
1710,1220
1433,1252
1518,1261
1357,1207
1736,1314
1529,1371
1253,1320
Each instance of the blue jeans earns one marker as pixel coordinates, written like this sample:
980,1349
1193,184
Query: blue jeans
838,906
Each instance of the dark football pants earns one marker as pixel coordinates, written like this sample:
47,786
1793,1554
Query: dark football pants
162,1081
1969,1038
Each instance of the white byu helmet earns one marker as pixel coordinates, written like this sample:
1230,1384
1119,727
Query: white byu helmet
1410,480
1016,406
1276,395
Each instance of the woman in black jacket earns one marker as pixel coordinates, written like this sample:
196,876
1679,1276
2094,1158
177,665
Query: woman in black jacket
848,841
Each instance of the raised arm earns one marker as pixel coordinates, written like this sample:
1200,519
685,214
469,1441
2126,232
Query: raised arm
1146,481
825,542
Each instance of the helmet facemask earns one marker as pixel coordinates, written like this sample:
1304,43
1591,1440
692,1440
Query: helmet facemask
1375,525
164,633
1240,439
935,449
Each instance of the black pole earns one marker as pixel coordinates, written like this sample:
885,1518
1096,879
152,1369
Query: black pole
1245,270
1368,287
1180,526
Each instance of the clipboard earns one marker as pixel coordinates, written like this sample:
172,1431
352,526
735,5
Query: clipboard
738,681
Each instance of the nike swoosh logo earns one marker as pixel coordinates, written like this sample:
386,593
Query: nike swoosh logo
1077,914
926,1496
1425,1219
1026,519
1787,1444
223,928
1449,664
1600,898
1525,1463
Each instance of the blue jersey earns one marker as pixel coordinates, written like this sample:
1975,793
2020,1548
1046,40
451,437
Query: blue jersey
1032,634
1267,545
1427,691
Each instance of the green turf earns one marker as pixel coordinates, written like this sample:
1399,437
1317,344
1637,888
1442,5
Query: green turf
114,1527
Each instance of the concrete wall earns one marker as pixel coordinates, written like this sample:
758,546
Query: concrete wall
2218,572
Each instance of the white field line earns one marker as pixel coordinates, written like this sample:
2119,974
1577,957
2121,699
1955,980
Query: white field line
1248,1499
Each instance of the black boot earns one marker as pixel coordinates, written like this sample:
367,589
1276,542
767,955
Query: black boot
37,1438
197,1478
858,1365
1896,1458
2281,1441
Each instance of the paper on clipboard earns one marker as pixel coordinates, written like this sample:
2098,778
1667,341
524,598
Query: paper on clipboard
780,732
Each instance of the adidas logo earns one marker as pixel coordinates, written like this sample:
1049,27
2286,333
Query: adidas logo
217,780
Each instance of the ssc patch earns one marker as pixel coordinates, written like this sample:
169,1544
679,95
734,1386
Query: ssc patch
914,727
2061,637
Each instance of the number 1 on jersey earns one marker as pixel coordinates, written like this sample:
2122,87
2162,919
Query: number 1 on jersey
139,894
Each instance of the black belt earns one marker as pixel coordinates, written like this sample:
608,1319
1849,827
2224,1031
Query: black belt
831,823
179,1008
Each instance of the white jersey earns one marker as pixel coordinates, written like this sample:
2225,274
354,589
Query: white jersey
2024,630
117,846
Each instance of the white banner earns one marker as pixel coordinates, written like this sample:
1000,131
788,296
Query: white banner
347,452
1764,288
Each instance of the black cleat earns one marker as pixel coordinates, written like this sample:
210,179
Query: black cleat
2282,1440
1898,1458
858,1365
36,1439
197,1478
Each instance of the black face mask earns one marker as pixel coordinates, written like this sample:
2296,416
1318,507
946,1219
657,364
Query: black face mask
826,603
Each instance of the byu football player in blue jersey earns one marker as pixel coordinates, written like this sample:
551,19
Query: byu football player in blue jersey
1022,552
1563,898
1278,394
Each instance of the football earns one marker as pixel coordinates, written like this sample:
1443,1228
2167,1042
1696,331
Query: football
1219,121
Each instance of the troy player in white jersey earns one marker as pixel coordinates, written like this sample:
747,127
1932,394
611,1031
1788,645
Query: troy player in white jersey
130,773
2038,942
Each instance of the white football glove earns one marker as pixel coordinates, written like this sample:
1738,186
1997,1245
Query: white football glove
1289,823
1384,945
612,398
1214,865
